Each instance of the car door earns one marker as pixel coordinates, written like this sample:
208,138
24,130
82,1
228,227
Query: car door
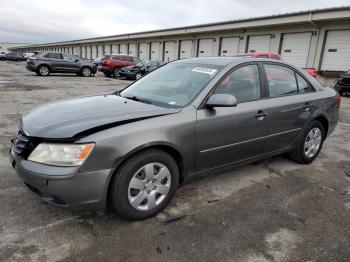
55,61
290,105
70,64
226,135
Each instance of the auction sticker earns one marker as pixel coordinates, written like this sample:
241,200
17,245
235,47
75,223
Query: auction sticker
204,70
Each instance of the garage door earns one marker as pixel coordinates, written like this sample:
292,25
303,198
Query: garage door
156,51
259,43
144,51
114,49
83,53
107,49
229,46
132,49
169,51
123,49
295,48
186,47
94,51
88,52
336,56
206,47
100,50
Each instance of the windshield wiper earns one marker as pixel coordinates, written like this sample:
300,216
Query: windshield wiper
138,99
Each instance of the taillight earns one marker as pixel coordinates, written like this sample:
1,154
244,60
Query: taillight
338,101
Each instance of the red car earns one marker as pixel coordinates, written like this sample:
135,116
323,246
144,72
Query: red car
111,64
271,55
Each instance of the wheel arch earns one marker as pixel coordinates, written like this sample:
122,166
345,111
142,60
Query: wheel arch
324,121
172,150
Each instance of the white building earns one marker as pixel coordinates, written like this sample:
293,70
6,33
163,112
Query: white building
7,47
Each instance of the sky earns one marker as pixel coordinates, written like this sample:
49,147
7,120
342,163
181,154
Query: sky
45,21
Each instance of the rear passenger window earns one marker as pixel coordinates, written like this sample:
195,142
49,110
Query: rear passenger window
243,83
116,57
303,86
54,56
127,58
281,80
262,56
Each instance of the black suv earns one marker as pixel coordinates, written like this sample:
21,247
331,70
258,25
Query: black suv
45,63
342,84
14,57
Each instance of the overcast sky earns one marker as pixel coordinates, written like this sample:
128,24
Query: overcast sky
43,21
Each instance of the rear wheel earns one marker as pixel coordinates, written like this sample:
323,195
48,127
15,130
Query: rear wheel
86,71
144,184
43,70
107,74
310,143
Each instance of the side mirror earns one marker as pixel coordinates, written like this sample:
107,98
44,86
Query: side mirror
222,100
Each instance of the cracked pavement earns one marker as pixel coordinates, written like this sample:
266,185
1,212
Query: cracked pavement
272,210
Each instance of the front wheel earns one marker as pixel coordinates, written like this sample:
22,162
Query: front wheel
144,184
116,72
138,76
341,92
43,70
310,143
86,71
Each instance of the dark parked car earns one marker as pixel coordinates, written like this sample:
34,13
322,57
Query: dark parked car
139,70
111,64
45,63
14,57
130,149
342,85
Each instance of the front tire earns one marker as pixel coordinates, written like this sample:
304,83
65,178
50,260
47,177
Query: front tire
43,70
310,143
144,184
341,92
116,72
86,71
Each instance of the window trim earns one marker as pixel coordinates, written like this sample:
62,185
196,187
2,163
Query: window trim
313,90
212,91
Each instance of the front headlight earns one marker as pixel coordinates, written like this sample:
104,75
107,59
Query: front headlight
61,154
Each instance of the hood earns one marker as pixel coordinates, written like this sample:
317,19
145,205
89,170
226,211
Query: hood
71,118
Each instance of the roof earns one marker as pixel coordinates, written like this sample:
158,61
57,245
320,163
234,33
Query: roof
215,24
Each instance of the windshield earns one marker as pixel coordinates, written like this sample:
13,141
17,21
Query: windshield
173,85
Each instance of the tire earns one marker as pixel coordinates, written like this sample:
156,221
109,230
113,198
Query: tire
341,92
116,72
306,154
2,59
123,194
107,74
138,76
43,70
86,71
18,59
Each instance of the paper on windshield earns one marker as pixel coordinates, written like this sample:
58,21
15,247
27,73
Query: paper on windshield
209,71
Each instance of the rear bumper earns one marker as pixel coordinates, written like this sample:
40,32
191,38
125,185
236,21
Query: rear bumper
64,186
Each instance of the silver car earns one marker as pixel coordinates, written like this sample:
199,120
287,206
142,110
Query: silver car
130,150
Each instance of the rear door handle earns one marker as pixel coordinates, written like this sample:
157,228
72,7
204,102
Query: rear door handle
261,114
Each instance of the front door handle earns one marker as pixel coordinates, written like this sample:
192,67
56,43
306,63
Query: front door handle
261,114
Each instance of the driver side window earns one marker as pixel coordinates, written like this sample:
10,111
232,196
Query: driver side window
243,83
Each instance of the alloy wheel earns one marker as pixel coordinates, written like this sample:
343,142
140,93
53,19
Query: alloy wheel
44,71
312,142
149,186
86,71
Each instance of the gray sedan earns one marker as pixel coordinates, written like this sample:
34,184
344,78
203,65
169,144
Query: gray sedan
130,150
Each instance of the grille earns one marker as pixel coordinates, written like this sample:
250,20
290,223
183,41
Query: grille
23,145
